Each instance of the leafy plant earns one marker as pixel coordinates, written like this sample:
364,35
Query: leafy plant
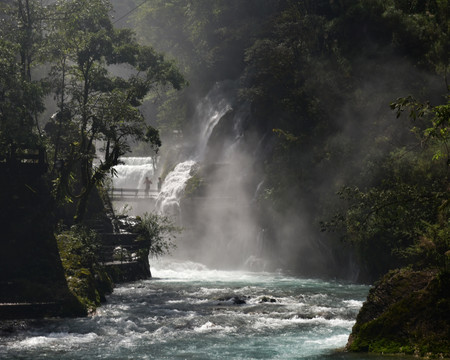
158,230
79,250
433,123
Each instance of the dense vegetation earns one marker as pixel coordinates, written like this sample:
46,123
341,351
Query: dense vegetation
351,99
76,47
63,58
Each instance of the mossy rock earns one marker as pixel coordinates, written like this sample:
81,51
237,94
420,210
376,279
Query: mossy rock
406,312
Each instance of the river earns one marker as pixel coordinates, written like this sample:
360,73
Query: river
188,311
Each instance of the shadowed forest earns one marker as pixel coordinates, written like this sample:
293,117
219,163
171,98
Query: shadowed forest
347,132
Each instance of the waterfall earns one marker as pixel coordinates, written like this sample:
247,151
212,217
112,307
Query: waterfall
209,111
132,172
207,115
168,201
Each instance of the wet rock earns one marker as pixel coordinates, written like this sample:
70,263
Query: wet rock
238,301
235,300
266,299
406,312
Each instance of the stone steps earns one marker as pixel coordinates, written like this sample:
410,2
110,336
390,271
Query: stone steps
14,311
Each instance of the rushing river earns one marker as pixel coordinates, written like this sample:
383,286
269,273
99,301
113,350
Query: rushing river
190,312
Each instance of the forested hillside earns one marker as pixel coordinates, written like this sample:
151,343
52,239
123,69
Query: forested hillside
350,102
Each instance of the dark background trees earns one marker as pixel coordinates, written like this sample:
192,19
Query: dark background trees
320,77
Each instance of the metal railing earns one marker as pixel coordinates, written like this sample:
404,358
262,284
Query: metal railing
131,193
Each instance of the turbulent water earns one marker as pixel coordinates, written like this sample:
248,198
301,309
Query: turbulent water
190,312
168,201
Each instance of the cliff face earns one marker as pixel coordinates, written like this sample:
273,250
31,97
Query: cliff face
406,312
31,274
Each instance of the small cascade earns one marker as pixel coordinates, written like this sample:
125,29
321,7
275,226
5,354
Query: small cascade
131,174
209,112
219,224
168,201
210,118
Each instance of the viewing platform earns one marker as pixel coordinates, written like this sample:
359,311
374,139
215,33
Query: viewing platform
24,161
124,194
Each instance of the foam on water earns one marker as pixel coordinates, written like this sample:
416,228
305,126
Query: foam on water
190,311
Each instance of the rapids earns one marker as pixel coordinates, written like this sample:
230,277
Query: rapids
191,312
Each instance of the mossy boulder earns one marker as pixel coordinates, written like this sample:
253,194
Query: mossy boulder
406,312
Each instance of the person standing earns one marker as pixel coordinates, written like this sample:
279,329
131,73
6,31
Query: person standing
159,184
147,183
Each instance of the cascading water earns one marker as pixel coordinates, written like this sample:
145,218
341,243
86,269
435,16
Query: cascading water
132,172
189,311
168,201
192,311
219,224
209,115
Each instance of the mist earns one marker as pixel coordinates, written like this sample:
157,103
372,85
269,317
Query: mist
218,218
253,197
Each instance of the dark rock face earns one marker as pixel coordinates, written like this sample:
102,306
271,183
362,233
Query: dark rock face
128,271
406,312
32,281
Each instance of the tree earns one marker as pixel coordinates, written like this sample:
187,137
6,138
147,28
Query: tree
432,124
98,104
21,36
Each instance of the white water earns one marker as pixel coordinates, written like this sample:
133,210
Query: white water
131,174
168,201
208,114
188,312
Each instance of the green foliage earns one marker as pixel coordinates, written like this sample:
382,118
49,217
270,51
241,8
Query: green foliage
207,38
430,247
420,29
79,250
78,43
433,128
21,96
389,224
95,104
158,230
406,312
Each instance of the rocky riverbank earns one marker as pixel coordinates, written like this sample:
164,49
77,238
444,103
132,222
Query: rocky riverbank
406,312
